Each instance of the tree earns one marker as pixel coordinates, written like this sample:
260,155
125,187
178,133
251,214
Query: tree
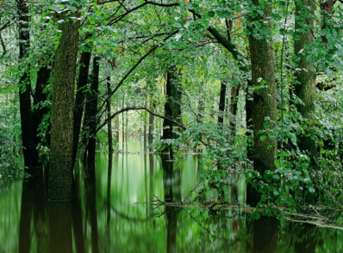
172,108
26,115
60,174
262,106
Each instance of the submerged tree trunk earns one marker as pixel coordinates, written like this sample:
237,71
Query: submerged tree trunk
26,116
80,98
60,173
90,121
172,107
262,108
109,137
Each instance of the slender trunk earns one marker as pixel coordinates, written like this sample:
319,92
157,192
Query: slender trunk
221,107
90,121
41,110
151,128
117,132
263,105
60,173
110,142
233,108
123,127
26,116
80,98
172,108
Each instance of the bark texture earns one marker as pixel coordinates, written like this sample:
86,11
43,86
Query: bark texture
264,98
60,175
263,104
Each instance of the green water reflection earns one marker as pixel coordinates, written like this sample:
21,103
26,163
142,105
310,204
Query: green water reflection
131,215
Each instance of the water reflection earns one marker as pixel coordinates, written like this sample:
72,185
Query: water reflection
138,210
172,196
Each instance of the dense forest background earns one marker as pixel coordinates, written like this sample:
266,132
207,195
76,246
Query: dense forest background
255,86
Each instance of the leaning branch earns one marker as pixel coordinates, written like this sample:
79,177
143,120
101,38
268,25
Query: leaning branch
139,108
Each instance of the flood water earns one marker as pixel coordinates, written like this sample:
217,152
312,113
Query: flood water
139,210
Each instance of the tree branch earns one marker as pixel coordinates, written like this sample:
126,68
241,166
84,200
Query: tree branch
139,108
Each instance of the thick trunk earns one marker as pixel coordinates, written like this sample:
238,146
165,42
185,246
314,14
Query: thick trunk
80,98
221,107
60,173
90,122
263,105
172,108
26,116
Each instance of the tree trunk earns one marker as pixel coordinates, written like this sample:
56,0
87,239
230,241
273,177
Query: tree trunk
151,128
305,75
263,105
109,136
221,107
172,108
26,116
80,98
63,83
90,121
40,98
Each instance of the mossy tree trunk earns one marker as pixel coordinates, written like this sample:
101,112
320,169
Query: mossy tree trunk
305,75
262,107
60,175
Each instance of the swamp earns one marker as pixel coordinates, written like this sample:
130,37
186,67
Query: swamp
171,126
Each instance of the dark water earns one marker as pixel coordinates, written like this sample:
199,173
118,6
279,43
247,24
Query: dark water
131,215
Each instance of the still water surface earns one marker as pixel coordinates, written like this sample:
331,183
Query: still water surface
135,211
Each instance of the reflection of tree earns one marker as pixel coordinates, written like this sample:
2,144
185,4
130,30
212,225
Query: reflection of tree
48,224
172,195
92,211
304,237
264,235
